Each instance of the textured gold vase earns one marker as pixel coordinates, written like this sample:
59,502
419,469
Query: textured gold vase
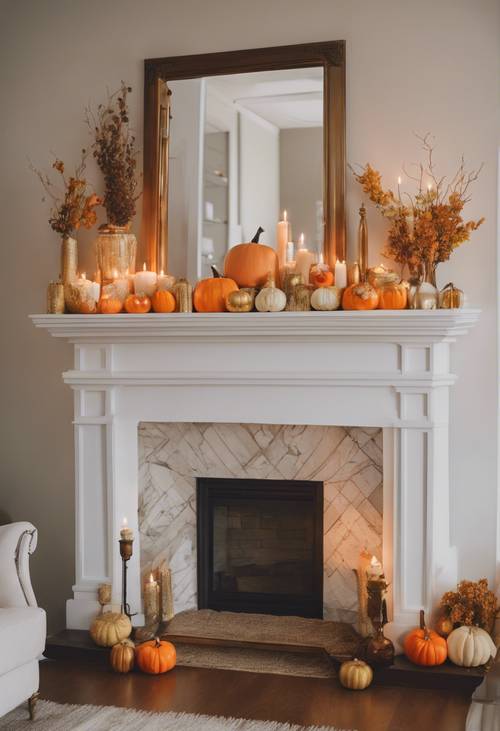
116,250
69,260
55,298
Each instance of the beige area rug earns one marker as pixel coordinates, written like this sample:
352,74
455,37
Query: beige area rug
304,665
61,717
338,638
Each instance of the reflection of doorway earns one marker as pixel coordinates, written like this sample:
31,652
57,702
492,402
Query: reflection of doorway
215,213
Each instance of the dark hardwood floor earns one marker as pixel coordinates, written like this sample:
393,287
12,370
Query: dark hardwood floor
304,701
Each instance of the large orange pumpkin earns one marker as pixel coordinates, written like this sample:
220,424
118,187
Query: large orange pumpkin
210,294
249,264
360,296
163,301
156,656
392,297
425,647
137,304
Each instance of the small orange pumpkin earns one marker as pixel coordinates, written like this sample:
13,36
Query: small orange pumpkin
210,294
163,301
155,656
249,264
137,304
321,277
425,647
392,296
109,304
360,296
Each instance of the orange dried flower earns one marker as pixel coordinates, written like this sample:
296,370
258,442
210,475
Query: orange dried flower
473,603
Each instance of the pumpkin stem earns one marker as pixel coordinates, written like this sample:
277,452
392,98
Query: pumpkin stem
256,238
422,619
157,642
215,271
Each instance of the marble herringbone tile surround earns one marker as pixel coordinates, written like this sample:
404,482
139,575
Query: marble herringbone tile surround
348,461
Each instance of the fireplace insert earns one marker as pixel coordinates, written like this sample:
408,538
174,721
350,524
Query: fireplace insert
260,546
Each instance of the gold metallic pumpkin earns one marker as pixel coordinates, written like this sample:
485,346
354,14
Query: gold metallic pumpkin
109,628
240,300
355,674
451,298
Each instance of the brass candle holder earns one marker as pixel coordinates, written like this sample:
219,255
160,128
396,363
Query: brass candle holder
126,551
379,650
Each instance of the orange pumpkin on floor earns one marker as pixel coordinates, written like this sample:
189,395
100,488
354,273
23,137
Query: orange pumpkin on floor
392,297
137,304
360,296
163,301
249,264
210,294
425,647
155,657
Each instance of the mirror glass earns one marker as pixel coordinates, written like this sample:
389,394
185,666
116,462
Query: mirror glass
243,149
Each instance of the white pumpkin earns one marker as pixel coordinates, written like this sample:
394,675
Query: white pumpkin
325,298
355,674
270,298
470,646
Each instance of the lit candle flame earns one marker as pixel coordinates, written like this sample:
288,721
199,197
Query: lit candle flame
284,215
321,258
125,522
399,180
83,275
301,241
429,187
161,273
151,579
374,561
144,267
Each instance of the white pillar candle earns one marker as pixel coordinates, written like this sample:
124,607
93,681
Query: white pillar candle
165,281
340,274
304,259
289,252
89,290
145,282
126,533
283,237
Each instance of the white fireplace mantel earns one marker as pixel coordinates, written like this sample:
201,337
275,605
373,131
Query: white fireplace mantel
384,368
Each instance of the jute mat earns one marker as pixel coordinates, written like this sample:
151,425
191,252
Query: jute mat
61,717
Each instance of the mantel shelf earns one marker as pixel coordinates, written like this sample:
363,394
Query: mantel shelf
379,325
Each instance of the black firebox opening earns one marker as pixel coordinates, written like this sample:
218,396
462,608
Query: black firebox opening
260,546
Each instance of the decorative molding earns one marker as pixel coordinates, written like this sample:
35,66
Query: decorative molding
405,326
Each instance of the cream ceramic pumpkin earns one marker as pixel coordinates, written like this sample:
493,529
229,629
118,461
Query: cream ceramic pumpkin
270,298
470,646
355,675
325,298
110,628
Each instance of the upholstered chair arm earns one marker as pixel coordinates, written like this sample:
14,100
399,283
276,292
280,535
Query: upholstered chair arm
17,542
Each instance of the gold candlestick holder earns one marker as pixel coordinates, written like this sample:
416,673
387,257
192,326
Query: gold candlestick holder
126,551
379,650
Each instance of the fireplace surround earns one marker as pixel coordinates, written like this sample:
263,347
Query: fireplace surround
374,369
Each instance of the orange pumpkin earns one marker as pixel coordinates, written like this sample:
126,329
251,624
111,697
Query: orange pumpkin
360,296
392,296
110,305
156,656
425,647
137,304
321,278
210,294
249,264
163,301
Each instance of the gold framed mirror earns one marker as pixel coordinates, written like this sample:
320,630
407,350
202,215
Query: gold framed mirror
163,73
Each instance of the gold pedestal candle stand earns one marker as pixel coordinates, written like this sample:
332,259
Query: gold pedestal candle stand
379,650
126,554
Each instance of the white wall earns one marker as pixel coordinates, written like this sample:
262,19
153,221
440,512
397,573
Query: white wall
301,179
259,160
410,66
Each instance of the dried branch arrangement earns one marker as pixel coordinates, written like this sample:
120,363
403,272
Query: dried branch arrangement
73,203
427,227
115,152
473,603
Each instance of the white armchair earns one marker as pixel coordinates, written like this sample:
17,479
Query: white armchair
22,622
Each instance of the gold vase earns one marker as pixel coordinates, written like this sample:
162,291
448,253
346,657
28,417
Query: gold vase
183,293
116,250
69,260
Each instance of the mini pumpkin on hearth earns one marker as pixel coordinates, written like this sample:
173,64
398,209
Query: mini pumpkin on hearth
109,628
423,646
122,656
210,294
249,264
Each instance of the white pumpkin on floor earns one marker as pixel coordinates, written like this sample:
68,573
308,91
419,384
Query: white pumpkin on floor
470,647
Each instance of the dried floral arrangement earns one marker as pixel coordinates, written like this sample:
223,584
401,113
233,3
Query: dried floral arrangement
115,152
473,603
73,203
427,227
